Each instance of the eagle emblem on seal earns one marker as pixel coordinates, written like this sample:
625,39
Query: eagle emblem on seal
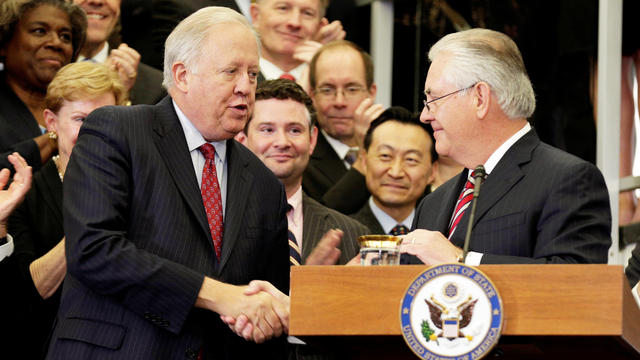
449,319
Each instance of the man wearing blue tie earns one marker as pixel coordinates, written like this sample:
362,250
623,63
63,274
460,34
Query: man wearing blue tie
398,162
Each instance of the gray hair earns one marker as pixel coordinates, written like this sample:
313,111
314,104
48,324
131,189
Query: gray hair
186,41
492,57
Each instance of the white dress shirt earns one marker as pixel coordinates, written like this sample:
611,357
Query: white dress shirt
271,72
339,147
100,57
386,221
474,258
295,217
194,141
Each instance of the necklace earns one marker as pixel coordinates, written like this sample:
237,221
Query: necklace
56,160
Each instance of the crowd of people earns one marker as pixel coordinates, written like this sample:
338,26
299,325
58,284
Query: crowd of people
148,214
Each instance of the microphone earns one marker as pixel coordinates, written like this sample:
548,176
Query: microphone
478,178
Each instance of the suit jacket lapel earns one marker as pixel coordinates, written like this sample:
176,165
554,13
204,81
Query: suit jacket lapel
172,146
312,218
443,216
239,180
330,164
370,220
505,175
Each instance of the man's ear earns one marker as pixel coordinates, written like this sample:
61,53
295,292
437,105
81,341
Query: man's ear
254,11
180,76
482,99
241,137
314,139
373,91
431,177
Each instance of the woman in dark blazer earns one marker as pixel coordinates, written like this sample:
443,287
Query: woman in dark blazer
37,38
37,225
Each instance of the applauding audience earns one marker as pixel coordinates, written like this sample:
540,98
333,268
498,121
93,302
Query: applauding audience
36,225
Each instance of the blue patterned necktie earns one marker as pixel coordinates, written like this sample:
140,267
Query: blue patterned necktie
294,250
399,230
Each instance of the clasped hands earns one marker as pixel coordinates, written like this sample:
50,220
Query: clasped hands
250,324
262,312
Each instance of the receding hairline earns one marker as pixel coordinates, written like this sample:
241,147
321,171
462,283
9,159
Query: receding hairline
343,48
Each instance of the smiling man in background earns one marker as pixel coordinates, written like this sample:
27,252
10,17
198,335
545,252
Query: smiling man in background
290,32
143,82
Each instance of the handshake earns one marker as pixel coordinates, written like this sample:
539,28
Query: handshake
257,312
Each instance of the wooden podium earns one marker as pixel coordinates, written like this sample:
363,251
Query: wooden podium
551,311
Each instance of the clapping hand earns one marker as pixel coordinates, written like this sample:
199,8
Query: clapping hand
12,196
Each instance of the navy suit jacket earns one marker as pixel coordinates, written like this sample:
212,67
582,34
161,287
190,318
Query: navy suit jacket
138,242
539,205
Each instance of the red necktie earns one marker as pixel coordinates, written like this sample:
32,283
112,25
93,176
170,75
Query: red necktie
211,196
287,76
463,203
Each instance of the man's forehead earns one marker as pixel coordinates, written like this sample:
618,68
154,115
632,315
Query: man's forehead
272,110
333,58
316,4
435,76
386,135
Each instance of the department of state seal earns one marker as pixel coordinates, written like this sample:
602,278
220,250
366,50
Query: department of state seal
451,311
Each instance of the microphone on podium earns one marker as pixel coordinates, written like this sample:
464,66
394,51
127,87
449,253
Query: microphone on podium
478,178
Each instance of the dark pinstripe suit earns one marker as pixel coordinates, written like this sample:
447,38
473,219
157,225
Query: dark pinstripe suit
539,205
138,243
318,219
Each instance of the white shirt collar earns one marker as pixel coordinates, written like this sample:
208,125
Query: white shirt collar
195,139
245,6
295,218
100,57
296,202
386,221
270,71
339,147
500,151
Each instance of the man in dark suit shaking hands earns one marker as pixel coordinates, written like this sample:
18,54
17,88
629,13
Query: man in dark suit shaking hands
538,204
166,216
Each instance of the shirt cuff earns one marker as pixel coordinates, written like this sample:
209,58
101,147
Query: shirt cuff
473,258
634,291
6,249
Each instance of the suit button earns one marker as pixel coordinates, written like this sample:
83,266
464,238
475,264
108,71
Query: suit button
190,353
147,315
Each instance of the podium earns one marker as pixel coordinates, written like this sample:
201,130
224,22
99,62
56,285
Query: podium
551,311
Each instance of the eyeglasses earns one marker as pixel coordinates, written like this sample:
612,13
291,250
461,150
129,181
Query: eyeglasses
349,92
426,103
